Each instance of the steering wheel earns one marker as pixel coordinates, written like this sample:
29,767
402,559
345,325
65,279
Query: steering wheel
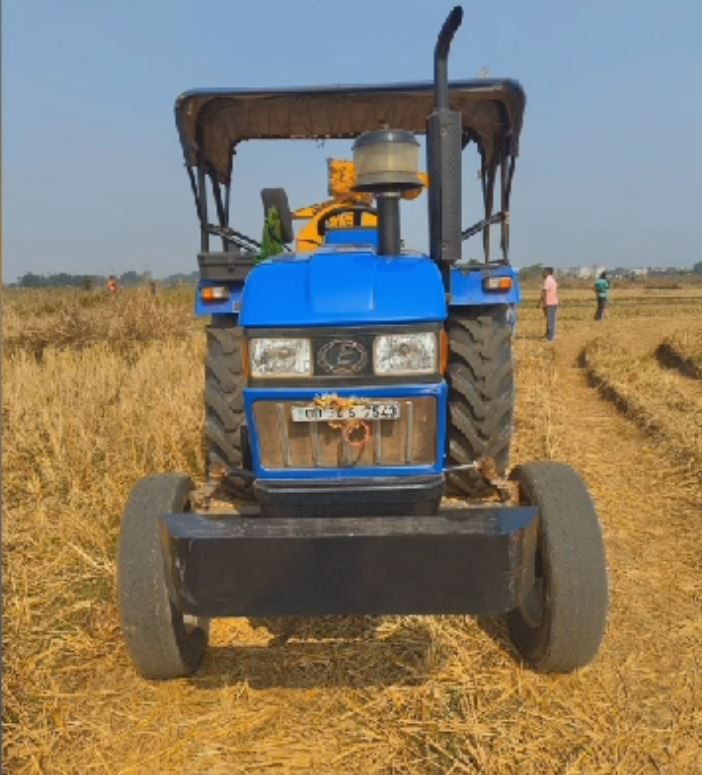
357,210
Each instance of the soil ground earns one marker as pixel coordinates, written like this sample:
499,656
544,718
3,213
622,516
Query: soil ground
414,694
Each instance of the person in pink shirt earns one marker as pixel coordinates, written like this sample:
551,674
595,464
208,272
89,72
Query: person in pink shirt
549,302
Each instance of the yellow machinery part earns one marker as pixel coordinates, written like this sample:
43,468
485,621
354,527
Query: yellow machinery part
309,239
342,179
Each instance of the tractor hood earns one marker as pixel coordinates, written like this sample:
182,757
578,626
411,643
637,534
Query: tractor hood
342,287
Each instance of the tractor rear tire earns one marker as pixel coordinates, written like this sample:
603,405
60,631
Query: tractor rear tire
162,642
560,624
481,394
226,439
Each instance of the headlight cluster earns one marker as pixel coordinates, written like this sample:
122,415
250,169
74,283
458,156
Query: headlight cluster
393,355
290,357
405,354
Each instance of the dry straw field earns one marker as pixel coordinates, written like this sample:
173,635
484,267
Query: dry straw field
99,392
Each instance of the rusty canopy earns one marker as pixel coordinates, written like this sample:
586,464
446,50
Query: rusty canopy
211,122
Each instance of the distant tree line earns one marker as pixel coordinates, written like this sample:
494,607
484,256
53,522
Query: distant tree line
534,271
133,279
129,279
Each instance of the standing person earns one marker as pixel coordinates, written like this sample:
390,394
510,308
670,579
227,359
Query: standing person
112,285
602,293
549,302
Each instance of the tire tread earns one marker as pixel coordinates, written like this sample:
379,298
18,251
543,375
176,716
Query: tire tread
481,393
573,551
224,403
156,638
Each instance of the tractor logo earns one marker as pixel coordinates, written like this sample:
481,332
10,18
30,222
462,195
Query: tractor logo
342,356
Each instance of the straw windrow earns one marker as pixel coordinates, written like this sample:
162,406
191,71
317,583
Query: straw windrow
663,401
683,351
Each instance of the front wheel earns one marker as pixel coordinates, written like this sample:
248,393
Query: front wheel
560,623
162,642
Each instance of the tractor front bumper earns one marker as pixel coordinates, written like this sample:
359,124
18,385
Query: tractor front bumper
462,561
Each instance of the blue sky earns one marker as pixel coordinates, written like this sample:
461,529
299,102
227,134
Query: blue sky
610,171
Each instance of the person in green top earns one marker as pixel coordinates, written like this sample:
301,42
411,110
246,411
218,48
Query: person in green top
602,294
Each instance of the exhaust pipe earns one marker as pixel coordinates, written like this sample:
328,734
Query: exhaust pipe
441,50
444,148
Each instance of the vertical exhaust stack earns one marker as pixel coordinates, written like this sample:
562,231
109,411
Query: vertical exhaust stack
444,148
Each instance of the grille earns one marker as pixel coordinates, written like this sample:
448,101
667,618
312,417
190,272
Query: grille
408,441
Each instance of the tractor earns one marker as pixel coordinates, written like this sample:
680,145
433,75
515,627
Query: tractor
361,395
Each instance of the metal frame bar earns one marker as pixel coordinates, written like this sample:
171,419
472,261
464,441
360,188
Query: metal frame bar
465,561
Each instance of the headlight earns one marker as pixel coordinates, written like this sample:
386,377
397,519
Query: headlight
406,354
289,357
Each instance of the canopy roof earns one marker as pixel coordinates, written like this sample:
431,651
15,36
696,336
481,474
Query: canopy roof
213,121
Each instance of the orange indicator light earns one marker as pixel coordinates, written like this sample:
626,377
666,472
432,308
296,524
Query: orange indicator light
500,284
215,293
444,349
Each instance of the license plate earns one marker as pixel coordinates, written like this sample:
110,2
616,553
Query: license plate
377,410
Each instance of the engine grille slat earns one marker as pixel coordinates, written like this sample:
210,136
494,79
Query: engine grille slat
315,442
409,432
409,440
284,439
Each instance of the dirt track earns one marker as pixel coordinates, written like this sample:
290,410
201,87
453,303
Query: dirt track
428,694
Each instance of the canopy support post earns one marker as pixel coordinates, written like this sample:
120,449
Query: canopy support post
202,193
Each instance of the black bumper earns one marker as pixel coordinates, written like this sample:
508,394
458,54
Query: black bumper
392,497
467,561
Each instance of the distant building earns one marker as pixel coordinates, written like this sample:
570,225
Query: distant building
580,272
588,272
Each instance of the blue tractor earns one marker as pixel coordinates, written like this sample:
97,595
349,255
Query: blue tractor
349,390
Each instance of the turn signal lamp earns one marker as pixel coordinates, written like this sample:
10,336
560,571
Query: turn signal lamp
245,362
444,351
500,284
214,293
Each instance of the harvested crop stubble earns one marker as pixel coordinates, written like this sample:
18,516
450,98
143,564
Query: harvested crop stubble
36,320
660,401
418,695
682,350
